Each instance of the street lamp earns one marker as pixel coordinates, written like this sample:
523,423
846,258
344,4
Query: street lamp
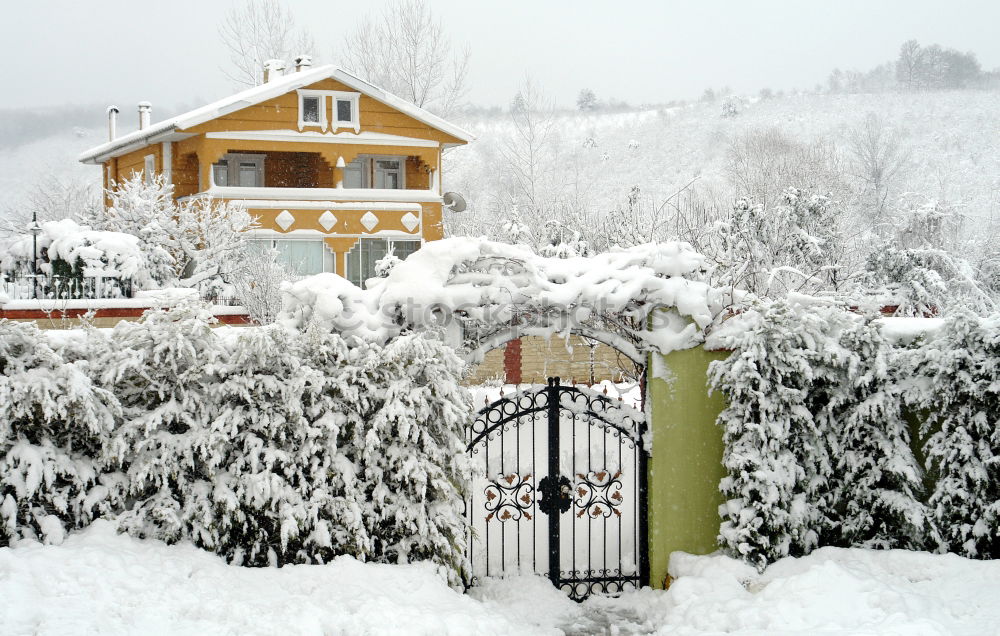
35,230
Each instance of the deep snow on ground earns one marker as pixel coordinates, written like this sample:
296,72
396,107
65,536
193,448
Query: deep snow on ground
101,582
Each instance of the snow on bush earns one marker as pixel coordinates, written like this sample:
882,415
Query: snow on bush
414,456
818,450
194,242
82,250
55,426
264,445
960,394
777,451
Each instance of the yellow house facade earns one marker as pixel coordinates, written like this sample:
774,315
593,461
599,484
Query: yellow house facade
337,171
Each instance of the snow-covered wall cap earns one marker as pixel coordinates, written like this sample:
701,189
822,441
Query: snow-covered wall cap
904,330
262,93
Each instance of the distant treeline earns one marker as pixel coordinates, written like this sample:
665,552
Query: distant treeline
917,68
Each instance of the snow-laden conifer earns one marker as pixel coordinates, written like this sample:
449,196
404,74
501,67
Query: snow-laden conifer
281,486
54,426
777,445
878,482
415,465
160,369
962,402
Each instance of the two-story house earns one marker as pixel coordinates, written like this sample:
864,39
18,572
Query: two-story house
337,171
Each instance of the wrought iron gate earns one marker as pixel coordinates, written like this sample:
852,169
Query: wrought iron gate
560,490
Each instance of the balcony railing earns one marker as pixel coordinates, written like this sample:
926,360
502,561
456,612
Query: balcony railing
42,287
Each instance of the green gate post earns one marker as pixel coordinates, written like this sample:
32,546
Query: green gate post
686,465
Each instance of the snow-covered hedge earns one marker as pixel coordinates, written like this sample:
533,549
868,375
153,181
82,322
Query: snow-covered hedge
264,445
822,443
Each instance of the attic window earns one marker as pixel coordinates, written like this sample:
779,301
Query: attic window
344,110
312,109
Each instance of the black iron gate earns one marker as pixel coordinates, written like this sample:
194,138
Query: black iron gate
560,490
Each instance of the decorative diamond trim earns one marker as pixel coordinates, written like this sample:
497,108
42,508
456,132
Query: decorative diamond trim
327,220
369,220
410,221
285,219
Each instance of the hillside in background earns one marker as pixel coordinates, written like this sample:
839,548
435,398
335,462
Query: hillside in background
948,145
587,164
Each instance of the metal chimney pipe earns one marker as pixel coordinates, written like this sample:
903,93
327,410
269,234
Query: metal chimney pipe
145,110
302,62
273,69
112,122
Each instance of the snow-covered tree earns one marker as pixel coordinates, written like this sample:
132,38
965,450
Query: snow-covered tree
877,492
416,469
279,479
144,209
55,424
777,441
194,243
961,366
160,370
794,245
256,279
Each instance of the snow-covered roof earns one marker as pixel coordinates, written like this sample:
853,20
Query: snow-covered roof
163,131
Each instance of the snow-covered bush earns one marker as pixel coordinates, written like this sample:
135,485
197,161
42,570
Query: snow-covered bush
160,369
415,464
55,426
817,446
961,396
878,490
777,447
68,248
280,476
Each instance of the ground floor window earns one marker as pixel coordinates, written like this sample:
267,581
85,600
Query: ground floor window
301,256
368,251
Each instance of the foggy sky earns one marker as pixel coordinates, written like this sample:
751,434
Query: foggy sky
58,52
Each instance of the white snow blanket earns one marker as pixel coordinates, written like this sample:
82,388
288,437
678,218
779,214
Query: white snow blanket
101,582
474,287
112,254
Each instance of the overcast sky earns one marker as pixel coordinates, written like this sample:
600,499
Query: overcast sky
60,52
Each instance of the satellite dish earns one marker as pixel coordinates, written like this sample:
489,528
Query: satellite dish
454,201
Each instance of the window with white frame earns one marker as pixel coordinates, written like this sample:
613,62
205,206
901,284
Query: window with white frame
367,252
312,109
344,110
239,170
303,257
376,172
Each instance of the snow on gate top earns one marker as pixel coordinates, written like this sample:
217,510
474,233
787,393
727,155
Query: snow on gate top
484,293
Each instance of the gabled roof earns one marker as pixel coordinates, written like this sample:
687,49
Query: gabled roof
173,129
